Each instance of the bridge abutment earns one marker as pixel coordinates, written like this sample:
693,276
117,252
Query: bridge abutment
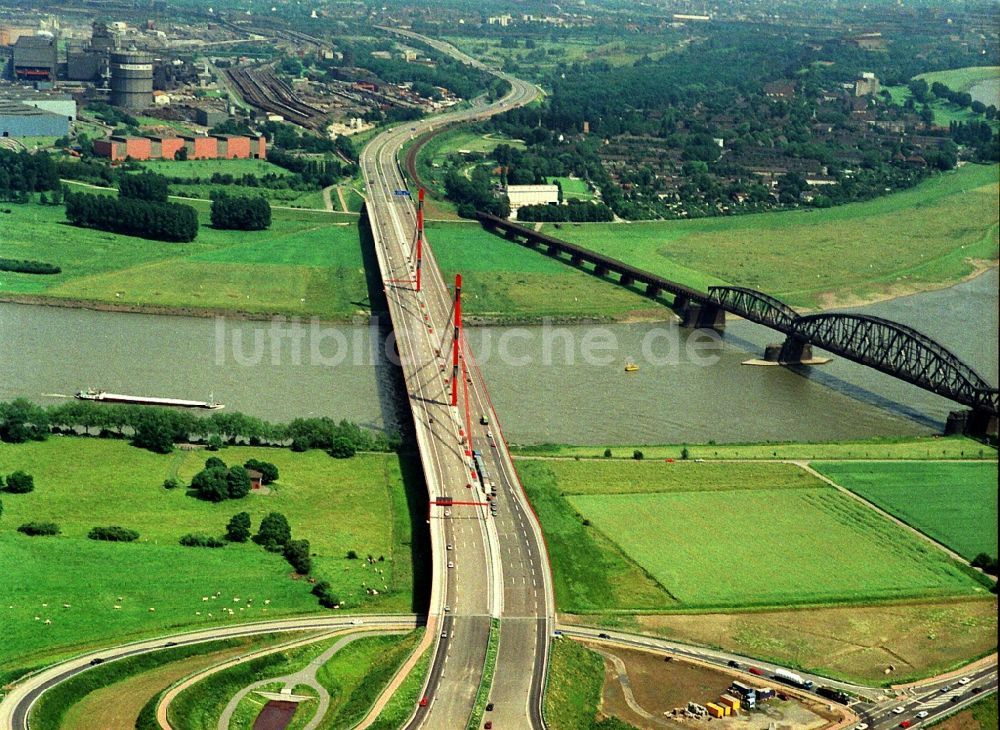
978,423
699,315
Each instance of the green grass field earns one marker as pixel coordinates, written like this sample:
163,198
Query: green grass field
206,168
573,692
962,79
914,239
573,188
725,536
505,281
956,503
338,505
926,447
312,199
306,264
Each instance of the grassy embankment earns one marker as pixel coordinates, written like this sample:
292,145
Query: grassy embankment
573,693
954,503
908,448
403,701
921,238
573,188
944,111
113,694
306,264
338,505
640,544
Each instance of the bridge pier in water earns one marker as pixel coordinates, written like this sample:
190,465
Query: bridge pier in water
793,351
699,315
978,423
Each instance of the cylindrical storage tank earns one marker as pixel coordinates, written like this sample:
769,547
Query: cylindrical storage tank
131,80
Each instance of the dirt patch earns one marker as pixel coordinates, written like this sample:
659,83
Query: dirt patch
658,686
116,707
861,643
276,715
840,299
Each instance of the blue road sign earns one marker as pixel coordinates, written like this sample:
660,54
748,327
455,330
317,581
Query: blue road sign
402,192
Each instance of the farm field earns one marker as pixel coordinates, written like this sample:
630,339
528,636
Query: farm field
856,643
504,281
81,483
207,168
306,264
912,448
672,526
954,503
921,238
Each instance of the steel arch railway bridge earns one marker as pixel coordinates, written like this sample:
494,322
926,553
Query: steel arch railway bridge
886,346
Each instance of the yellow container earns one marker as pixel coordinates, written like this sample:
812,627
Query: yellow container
714,710
731,702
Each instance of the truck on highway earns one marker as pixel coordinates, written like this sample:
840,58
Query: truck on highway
783,675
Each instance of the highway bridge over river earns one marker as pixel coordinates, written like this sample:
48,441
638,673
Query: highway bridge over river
488,569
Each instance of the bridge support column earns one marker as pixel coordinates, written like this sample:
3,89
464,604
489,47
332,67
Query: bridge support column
652,290
791,352
600,270
626,280
701,315
976,423
552,251
576,259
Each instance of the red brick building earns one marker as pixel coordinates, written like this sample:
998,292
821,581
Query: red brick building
214,147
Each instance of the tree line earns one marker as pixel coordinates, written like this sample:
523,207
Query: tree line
27,266
158,429
23,172
160,221
577,211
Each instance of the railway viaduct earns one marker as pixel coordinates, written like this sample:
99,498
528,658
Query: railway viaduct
889,347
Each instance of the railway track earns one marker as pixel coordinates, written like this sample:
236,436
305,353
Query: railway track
262,89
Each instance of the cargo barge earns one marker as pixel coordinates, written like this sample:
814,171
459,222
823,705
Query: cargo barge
140,400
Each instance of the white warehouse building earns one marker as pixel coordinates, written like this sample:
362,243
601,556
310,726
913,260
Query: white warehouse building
520,195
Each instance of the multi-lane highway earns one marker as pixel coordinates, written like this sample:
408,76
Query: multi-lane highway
485,566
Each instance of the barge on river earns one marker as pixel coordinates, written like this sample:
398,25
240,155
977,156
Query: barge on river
142,400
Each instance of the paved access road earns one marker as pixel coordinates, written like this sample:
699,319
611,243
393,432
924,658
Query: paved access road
16,706
484,566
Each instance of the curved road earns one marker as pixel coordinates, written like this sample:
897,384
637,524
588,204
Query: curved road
16,706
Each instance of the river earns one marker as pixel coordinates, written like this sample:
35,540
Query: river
559,384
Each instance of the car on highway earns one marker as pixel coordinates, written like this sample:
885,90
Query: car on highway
733,664
861,726
898,710
488,725
906,723
603,636
756,670
964,680
922,714
96,660
423,701
489,707
451,564
450,546
444,634
946,688
447,609
976,690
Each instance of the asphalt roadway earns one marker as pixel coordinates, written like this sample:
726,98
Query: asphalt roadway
485,566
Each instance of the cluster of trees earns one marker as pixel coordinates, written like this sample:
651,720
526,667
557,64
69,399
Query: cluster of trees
159,221
275,535
978,135
574,210
23,172
240,212
146,186
218,482
985,562
268,471
113,533
34,529
17,482
475,193
158,429
25,266
324,592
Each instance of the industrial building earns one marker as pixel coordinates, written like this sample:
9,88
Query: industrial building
131,79
209,117
90,62
21,120
212,147
61,104
520,195
35,58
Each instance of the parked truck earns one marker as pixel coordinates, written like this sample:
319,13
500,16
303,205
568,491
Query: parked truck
833,694
783,675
